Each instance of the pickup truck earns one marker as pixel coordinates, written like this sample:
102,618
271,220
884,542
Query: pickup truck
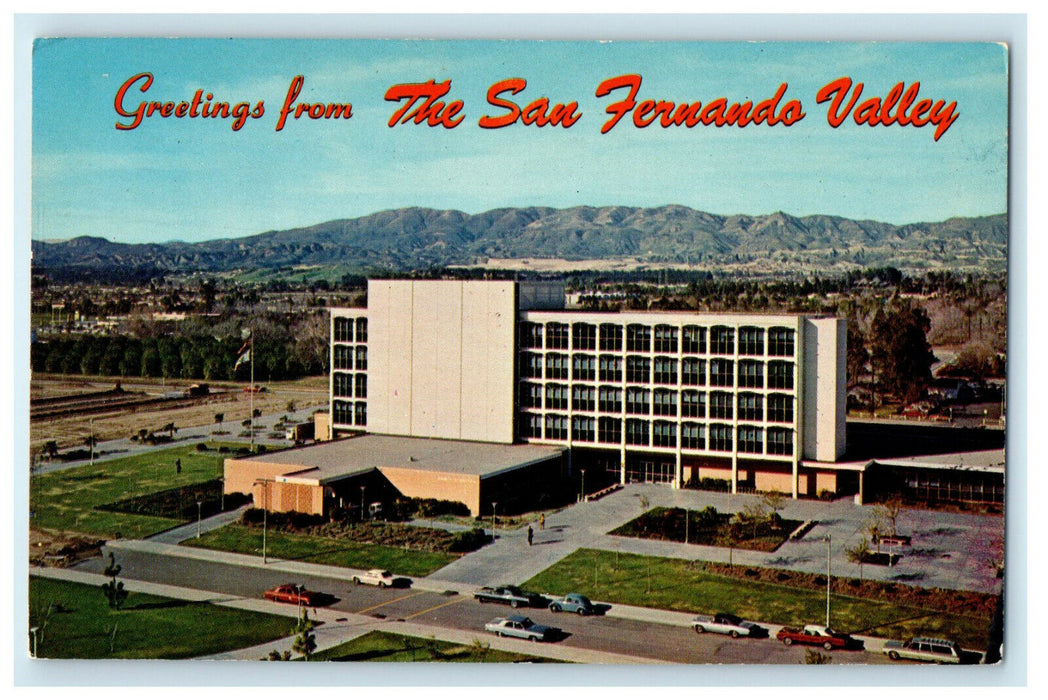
726,623
818,635
508,595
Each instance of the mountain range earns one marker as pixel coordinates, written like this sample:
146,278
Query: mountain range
415,238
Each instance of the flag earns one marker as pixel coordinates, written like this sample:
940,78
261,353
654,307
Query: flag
246,357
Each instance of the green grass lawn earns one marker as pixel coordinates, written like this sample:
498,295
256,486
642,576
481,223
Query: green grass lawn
76,622
383,646
66,500
323,550
677,584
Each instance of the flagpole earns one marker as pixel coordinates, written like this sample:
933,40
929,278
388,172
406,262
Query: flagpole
251,358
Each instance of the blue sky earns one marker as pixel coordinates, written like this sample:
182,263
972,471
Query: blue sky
197,179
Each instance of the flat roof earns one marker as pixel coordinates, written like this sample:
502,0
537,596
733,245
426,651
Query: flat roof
983,460
338,459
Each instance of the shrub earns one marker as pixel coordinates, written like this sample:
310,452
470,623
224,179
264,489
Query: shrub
469,541
826,495
223,450
201,447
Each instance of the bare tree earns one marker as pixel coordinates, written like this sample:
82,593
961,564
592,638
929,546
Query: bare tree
889,513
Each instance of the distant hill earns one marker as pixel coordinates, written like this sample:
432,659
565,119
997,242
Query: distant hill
416,238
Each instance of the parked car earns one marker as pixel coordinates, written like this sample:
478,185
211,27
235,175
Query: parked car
523,628
726,623
293,593
573,602
940,651
509,595
818,635
375,577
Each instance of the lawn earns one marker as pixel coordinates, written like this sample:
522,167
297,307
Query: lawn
76,622
323,550
682,585
66,500
383,646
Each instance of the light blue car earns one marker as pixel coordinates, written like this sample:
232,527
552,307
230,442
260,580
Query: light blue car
573,602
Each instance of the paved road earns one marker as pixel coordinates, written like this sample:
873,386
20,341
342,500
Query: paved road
622,632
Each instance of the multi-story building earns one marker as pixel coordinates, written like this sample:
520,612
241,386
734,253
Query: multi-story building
757,400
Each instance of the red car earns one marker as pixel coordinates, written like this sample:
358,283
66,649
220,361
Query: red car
819,636
293,593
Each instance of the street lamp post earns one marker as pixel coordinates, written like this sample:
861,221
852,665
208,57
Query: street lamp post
583,496
827,580
200,504
33,631
362,503
494,504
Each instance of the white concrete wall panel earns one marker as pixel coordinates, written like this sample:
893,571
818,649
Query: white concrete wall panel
825,388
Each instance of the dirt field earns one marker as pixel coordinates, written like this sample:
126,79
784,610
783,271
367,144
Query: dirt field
70,431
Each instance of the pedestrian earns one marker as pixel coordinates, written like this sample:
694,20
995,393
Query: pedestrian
178,466
542,521
531,535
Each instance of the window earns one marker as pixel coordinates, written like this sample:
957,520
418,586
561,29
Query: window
362,330
780,441
360,413
638,401
361,388
609,399
665,339
665,370
531,335
583,398
362,358
638,369
584,368
638,338
664,434
609,430
780,408
751,341
720,438
780,342
557,397
343,412
557,336
722,373
610,336
610,368
556,366
693,372
531,365
343,357
692,436
693,404
720,405
343,384
722,340
693,340
584,336
638,432
751,406
343,329
751,439
665,403
583,429
531,395
751,374
531,425
556,427
780,375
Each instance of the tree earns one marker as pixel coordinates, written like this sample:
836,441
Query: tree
901,357
290,407
170,429
857,554
889,513
219,419
305,643
113,589
51,449
774,501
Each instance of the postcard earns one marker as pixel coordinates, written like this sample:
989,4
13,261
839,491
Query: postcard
591,353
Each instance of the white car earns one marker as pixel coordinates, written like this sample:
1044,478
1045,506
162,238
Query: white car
375,577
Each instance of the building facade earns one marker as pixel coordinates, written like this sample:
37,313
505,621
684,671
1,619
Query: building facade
756,400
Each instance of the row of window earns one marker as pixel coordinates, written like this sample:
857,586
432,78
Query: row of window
351,330
352,386
690,339
660,402
638,369
349,413
715,437
348,357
